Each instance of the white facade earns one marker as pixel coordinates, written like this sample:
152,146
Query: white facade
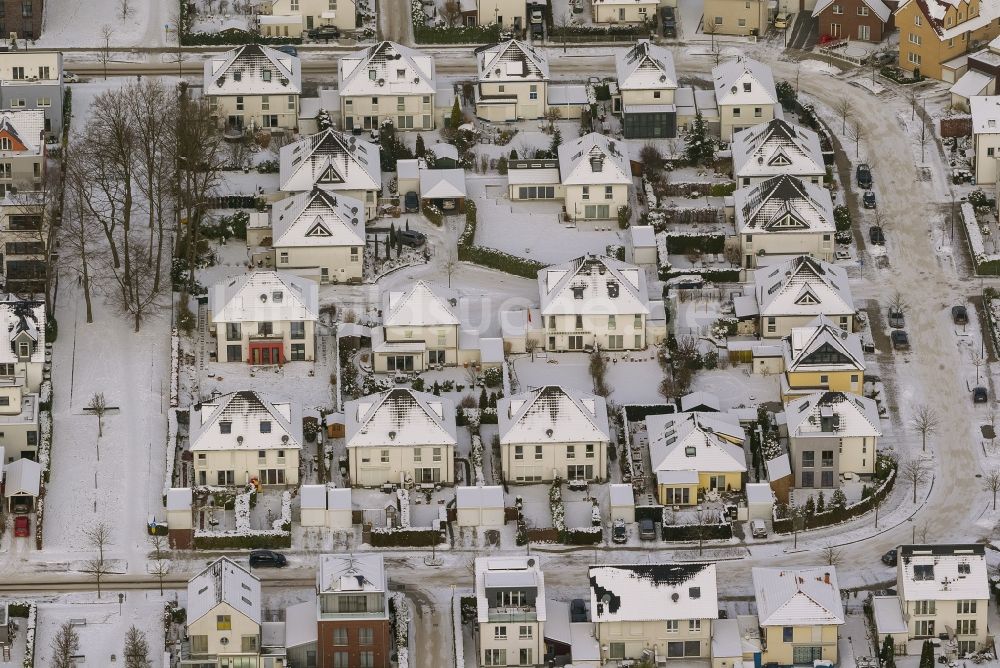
986,136
254,86
777,148
511,611
224,613
512,82
745,95
387,82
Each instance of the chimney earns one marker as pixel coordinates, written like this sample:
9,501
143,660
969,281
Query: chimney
826,578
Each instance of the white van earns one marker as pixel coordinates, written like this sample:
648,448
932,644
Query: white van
758,529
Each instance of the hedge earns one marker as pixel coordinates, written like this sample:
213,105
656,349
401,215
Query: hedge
596,31
636,412
490,257
654,513
489,34
988,268
688,532
234,38
250,542
683,244
838,515
18,609
580,537
406,538
710,275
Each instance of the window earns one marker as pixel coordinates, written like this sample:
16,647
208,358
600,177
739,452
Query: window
265,329
586,193
808,479
918,20
298,330
694,625
248,644
366,659
538,452
589,451
43,102
272,476
924,628
239,99
400,101
656,95
741,23
291,103
579,322
616,341
298,352
525,632
600,211
17,73
418,455
579,472
384,456
718,20
223,623
533,92
915,39
966,627
499,632
355,254
609,192
672,625
265,426
570,452
837,9
786,634
524,656
366,636
808,458
17,103
225,427
234,353
23,349
4,401
826,479
924,607
913,58
616,650
736,112
436,454
341,660
758,112
199,644
827,456
44,72
863,10
966,607
496,657
518,452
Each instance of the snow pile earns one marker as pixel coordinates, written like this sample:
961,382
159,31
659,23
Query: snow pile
286,513
45,392
477,459
651,199
404,507
975,235
402,630
626,460
168,478
556,505
456,623
45,444
175,346
29,641
241,507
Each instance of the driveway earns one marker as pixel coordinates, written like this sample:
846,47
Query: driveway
805,32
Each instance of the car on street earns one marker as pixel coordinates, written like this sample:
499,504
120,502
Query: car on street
900,341
959,315
260,558
864,175
843,255
324,32
618,532
758,529
781,21
980,395
577,610
668,22
411,238
536,16
876,235
896,318
411,203
22,526
647,530
868,199
889,558
69,77
287,49
537,31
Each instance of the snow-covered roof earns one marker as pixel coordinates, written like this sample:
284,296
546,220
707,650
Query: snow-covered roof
743,81
802,286
22,319
500,573
313,497
594,159
759,492
621,494
300,623
985,114
971,84
224,581
22,477
832,414
400,417
645,66
642,236
727,642
338,498
480,496
317,219
512,60
935,11
695,400
783,204
420,306
442,183
777,147
444,150
943,572
253,69
779,467
702,442
245,421
888,615
330,160
264,296
179,498
25,127
564,94
798,596
351,573
878,8
593,284
823,345
553,414
653,592
386,68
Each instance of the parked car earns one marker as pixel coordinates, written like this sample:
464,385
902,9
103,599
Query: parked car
647,530
960,315
980,395
868,199
288,49
69,77
577,610
536,16
842,255
259,558
900,341
864,175
876,235
668,22
324,32
896,319
22,526
758,529
889,558
538,31
781,21
618,532
411,238
21,506
411,203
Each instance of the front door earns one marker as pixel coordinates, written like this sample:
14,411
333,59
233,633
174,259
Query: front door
621,14
864,33
309,23
835,30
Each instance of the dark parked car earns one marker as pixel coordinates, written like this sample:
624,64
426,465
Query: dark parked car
260,558
668,22
864,175
324,32
618,533
287,48
876,235
960,315
900,341
647,530
889,558
577,610
411,238
868,199
411,203
979,395
896,319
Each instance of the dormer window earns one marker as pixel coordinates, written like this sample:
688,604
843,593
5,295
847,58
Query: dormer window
266,75
23,349
265,426
690,451
237,75
225,427
577,292
400,74
277,296
747,87
372,75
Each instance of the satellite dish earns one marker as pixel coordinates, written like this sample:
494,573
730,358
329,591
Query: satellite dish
675,597
531,562
263,298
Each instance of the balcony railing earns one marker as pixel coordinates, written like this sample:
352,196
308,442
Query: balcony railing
513,615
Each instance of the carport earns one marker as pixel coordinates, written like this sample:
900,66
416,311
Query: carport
22,479
444,188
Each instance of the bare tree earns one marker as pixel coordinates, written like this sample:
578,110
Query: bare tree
79,232
844,109
926,421
856,133
978,361
98,405
898,303
797,517
451,265
99,537
702,520
914,471
451,13
136,649
64,646
125,9
106,32
923,140
832,555
992,482
160,569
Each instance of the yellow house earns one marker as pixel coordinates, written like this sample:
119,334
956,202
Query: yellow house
289,18
821,356
387,82
254,86
745,95
224,615
799,612
735,17
419,331
692,452
624,11
511,83
934,32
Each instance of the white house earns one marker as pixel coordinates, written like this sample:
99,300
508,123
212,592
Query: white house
419,330
629,12
553,432
254,86
333,161
224,615
22,150
745,95
986,136
832,435
647,83
290,18
777,148
401,435
511,83
596,177
241,437
264,317
510,611
593,300
23,358
387,82
660,611
799,611
22,480
784,217
319,235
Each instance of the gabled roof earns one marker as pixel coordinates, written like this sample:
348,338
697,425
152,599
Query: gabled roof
330,160
935,11
25,127
816,345
593,284
783,204
400,417
702,442
743,81
386,68
22,477
317,218
253,69
985,114
512,60
420,306
234,422
645,66
798,597
594,159
224,581
943,572
777,147
878,8
832,414
271,296
553,414
351,573
442,184
653,592
20,319
803,286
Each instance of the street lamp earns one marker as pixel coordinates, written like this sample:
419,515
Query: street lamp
913,531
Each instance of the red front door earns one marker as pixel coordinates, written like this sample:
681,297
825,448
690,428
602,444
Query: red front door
265,352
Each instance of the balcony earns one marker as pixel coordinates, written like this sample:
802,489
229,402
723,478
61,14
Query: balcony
513,614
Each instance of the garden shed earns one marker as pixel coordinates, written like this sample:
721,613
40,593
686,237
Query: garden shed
22,479
622,502
640,245
313,505
338,508
480,506
760,501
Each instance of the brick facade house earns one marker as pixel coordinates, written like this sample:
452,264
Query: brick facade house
863,20
23,17
352,613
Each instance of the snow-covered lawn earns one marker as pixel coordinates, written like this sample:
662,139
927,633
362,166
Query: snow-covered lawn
736,386
75,23
633,377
